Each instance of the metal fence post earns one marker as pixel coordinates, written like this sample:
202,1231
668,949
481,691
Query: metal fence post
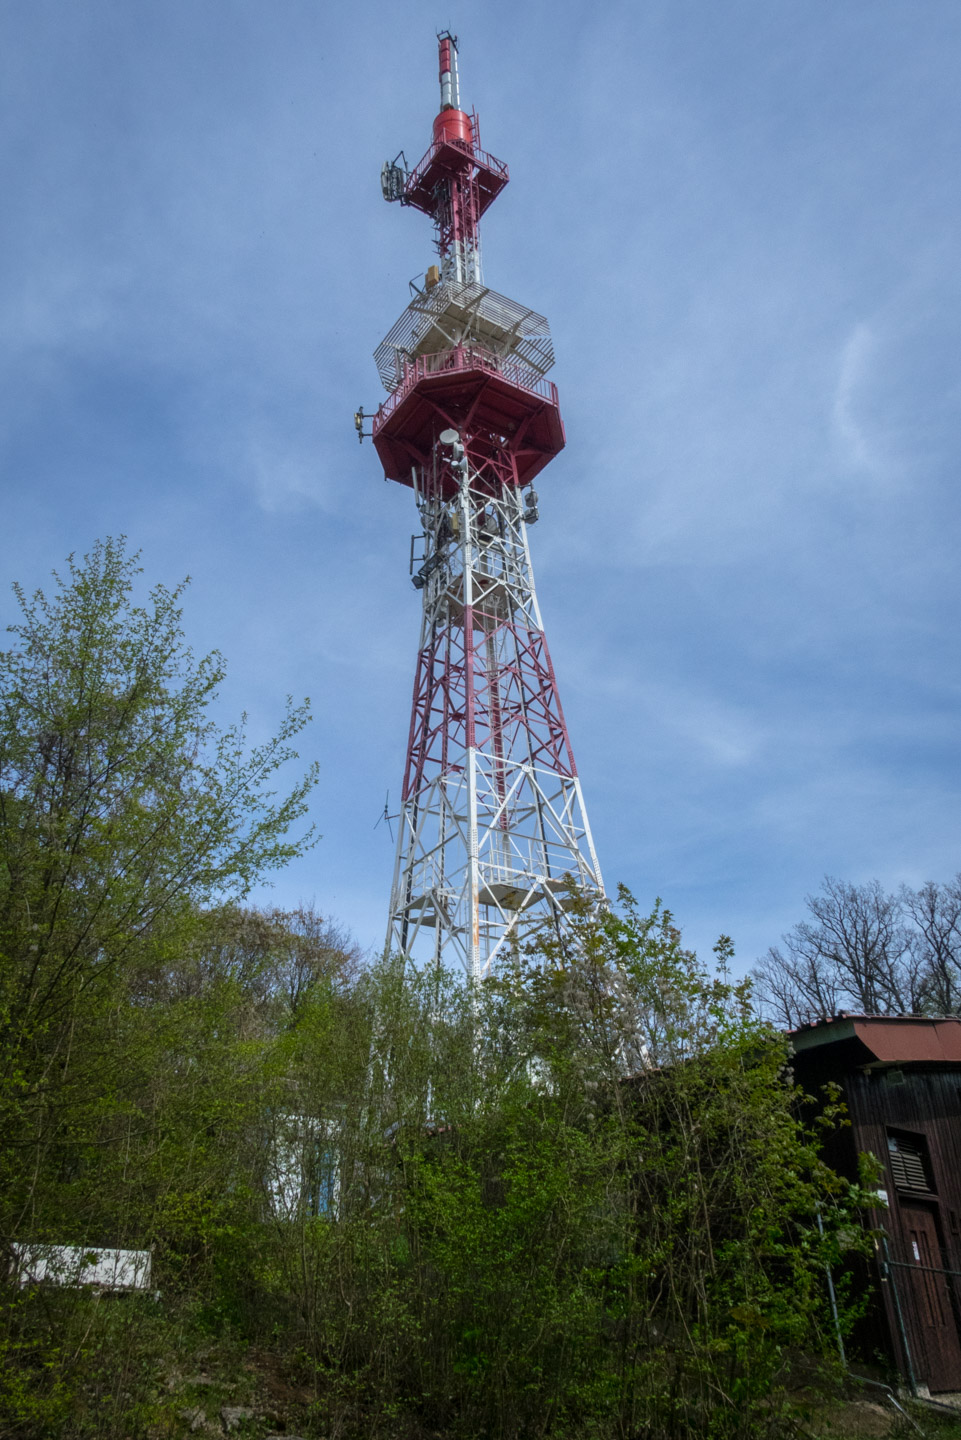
887,1273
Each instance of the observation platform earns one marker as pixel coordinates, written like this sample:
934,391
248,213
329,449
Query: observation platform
497,404
521,891
465,312
452,154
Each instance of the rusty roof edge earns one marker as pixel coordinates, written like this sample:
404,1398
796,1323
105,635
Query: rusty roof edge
807,1037
891,1039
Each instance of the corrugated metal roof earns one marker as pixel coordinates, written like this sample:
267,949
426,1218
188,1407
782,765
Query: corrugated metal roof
891,1039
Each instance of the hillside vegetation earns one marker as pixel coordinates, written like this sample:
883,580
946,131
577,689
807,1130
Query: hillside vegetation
574,1201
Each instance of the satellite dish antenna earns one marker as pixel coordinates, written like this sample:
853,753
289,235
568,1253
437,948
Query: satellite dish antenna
449,437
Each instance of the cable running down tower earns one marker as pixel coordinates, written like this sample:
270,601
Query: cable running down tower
492,818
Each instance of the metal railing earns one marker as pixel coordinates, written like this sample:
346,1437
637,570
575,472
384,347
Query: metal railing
463,357
482,158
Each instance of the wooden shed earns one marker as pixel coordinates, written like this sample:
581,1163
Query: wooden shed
901,1081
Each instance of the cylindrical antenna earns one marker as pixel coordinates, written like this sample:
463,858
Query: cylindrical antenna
449,84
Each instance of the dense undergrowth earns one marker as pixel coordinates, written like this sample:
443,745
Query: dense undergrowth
575,1202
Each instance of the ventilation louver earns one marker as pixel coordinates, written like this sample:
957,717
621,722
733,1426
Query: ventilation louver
909,1167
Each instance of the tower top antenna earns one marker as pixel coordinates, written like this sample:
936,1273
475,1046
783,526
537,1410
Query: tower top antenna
455,181
447,59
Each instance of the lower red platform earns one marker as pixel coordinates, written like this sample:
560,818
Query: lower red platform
465,390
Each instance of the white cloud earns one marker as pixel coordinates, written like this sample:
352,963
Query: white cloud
285,479
854,371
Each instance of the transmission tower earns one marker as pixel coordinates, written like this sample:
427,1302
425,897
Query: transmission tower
492,819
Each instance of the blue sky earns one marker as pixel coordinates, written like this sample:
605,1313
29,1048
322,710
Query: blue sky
742,219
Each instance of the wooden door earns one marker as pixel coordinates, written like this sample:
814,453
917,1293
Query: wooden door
934,1329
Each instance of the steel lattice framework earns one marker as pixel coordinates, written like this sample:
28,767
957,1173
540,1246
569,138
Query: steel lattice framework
492,822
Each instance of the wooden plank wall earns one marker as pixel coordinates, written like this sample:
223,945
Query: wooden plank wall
927,1102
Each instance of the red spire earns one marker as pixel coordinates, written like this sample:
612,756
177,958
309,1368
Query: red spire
447,59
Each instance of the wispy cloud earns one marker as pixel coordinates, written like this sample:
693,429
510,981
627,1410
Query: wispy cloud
286,477
851,428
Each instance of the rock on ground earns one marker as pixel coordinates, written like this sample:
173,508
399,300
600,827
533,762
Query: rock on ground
234,1416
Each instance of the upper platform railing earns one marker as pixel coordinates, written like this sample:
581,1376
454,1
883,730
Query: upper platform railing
482,158
490,174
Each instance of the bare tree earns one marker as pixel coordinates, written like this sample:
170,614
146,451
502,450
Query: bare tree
855,952
792,988
935,943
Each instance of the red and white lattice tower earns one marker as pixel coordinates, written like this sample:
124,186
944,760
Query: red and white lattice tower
492,819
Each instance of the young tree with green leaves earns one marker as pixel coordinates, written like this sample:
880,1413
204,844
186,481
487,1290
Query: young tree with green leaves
121,801
126,812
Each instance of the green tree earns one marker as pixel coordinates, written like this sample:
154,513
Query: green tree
140,1005
124,812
